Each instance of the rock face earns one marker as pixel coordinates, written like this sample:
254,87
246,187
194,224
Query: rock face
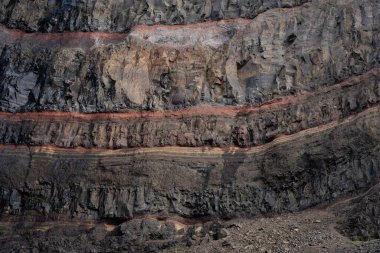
289,174
361,216
122,15
194,109
282,52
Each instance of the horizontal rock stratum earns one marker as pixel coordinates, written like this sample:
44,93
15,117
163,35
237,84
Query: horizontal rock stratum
122,15
127,110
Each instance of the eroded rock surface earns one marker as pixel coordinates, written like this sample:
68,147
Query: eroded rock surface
135,114
361,216
281,52
121,16
290,174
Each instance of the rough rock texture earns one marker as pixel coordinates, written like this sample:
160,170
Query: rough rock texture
268,107
362,216
289,174
122,15
281,52
196,127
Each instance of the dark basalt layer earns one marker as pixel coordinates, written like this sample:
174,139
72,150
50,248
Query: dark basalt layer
291,174
196,127
361,216
121,16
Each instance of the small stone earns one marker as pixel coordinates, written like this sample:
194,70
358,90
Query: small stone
250,246
226,244
222,233
236,225
206,239
317,221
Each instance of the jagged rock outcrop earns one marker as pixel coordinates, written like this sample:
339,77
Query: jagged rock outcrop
361,216
124,110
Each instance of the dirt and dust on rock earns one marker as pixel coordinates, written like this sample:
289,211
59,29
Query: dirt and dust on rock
313,230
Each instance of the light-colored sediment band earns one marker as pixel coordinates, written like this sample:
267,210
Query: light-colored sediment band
196,32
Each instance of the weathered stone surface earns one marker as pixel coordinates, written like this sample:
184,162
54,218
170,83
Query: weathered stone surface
281,52
218,127
294,173
273,111
121,16
361,216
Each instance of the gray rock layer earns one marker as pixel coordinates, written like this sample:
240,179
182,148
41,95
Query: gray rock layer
244,129
304,171
122,15
361,216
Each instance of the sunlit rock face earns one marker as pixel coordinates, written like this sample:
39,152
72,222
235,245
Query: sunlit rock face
112,110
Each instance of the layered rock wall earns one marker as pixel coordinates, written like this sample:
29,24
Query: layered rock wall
281,52
292,173
121,16
273,110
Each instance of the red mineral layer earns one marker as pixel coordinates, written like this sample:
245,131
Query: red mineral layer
373,112
83,40
231,112
86,40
